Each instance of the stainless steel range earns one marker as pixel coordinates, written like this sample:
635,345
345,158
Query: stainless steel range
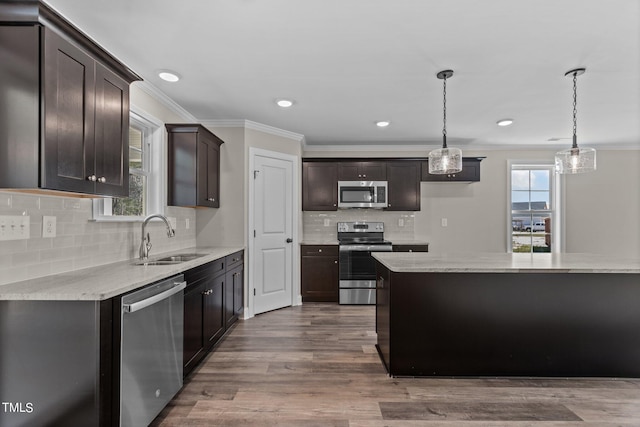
357,266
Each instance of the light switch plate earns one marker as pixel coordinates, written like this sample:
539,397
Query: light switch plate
444,222
14,227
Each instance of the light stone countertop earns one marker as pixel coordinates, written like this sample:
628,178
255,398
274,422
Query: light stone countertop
319,242
429,262
335,242
106,281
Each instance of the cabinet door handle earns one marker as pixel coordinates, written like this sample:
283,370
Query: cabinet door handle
289,240
207,292
319,250
335,262
211,199
102,179
92,178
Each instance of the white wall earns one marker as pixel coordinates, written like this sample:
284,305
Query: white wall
227,225
603,208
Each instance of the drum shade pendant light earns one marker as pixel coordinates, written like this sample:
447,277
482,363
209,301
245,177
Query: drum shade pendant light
574,159
445,160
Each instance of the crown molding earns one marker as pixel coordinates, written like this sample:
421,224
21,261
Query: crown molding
391,147
165,100
248,124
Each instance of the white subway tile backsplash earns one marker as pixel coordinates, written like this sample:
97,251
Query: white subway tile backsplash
79,242
314,227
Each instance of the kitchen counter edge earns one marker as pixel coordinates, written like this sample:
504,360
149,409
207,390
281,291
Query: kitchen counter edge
109,280
423,262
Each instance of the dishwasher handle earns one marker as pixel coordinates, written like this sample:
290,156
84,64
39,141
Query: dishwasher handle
139,305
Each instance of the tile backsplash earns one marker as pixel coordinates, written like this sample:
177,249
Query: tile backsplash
79,242
322,226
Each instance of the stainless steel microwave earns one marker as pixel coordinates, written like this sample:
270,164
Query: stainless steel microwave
362,194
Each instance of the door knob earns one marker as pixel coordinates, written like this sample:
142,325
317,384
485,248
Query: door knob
289,240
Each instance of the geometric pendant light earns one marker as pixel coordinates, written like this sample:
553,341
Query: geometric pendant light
574,159
445,160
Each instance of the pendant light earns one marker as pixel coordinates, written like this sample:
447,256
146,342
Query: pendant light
574,159
445,160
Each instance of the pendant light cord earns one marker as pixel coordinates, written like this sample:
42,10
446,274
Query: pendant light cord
444,116
575,111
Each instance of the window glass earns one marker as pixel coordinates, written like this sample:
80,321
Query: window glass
533,213
135,204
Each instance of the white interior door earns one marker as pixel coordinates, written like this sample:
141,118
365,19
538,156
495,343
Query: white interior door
273,233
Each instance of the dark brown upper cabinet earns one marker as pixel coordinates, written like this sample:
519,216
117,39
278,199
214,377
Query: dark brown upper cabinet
67,128
362,171
319,186
194,166
470,172
403,178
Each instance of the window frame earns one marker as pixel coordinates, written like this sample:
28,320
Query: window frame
556,201
154,140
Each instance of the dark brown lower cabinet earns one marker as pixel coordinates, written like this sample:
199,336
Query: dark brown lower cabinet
411,248
234,294
213,300
319,273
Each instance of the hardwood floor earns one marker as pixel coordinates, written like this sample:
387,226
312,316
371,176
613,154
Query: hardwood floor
316,365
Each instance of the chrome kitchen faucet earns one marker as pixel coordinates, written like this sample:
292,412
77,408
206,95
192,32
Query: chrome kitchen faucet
145,246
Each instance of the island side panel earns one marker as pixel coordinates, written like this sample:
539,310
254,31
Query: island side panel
49,368
383,313
514,324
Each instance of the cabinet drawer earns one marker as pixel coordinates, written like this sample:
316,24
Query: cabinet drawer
321,250
410,248
234,259
210,269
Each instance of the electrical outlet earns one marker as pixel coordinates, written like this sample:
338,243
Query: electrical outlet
48,226
400,222
14,227
187,225
327,222
444,222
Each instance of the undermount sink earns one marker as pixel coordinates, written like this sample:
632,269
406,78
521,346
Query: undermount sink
168,260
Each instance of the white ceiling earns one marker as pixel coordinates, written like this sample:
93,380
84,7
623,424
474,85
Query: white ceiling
349,63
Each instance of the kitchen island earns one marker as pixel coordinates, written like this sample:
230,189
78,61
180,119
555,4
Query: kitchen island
567,315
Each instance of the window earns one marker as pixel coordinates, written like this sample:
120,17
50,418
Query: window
139,147
145,141
533,193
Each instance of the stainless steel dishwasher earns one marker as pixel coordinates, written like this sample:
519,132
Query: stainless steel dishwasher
151,351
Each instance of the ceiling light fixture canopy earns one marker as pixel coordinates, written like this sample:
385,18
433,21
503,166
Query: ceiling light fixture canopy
383,123
505,122
574,159
445,160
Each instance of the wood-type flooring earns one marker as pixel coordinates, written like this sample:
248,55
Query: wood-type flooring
316,365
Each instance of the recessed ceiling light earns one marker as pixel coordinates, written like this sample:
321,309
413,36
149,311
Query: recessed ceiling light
168,76
383,123
284,103
504,122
